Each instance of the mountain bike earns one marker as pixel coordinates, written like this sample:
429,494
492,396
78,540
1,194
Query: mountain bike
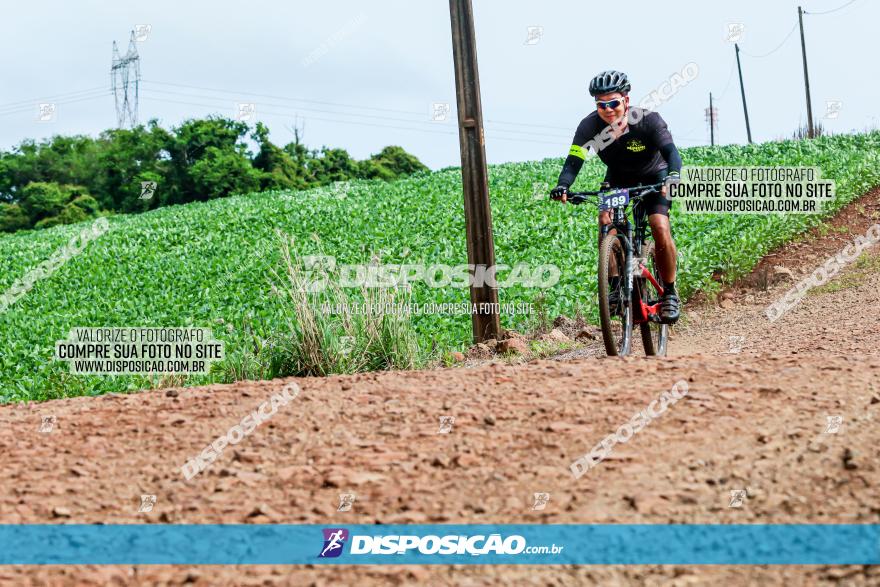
630,253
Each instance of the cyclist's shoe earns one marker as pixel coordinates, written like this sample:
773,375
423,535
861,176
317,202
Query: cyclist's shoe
669,307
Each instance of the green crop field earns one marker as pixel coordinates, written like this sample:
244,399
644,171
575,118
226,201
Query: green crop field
209,264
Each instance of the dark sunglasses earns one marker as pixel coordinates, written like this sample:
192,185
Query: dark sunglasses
611,104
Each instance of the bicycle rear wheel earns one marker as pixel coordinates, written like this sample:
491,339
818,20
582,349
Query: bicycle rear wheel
654,335
617,326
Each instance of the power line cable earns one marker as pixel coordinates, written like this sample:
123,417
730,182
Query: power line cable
338,104
830,11
527,124
47,98
778,47
729,79
32,106
405,128
296,108
361,116
287,99
262,111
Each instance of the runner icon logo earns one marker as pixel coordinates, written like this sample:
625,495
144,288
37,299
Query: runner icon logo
834,423
446,423
541,500
334,541
346,500
48,423
737,497
147,503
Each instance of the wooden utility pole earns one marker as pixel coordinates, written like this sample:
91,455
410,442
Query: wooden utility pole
810,129
711,121
474,174
742,89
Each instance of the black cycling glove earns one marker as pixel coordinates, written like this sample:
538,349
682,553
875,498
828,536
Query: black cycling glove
559,191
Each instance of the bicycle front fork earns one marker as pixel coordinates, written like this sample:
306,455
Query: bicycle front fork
623,235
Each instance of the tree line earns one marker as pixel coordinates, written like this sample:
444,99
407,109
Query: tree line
69,179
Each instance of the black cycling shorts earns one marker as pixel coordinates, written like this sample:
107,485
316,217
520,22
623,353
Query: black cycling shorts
651,204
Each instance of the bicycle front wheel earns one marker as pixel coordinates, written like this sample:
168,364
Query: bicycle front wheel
617,324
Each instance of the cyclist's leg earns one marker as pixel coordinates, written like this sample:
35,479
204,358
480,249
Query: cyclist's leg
664,246
605,220
657,209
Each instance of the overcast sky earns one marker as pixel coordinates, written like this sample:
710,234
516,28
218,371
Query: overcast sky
363,75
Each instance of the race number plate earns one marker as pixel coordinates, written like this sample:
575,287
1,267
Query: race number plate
614,199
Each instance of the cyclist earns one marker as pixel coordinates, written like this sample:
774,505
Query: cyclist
637,148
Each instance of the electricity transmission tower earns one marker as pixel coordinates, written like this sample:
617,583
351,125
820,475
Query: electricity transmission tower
711,119
126,76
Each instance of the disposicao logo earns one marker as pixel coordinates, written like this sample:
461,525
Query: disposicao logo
334,541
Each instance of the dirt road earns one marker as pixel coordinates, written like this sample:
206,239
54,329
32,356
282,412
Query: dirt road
756,418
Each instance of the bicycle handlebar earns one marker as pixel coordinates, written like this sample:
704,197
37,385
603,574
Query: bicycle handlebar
641,191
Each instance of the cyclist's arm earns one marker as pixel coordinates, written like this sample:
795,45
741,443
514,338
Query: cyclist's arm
662,139
572,166
672,157
576,154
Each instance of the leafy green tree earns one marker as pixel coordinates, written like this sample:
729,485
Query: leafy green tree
200,159
392,162
200,151
301,156
222,173
70,214
13,217
43,200
139,200
47,204
127,156
333,165
63,160
87,204
194,137
280,170
372,169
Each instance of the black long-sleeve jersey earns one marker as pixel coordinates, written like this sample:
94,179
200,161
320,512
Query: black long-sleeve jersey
643,151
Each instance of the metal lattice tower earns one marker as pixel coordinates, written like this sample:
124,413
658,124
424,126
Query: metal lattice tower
126,76
711,119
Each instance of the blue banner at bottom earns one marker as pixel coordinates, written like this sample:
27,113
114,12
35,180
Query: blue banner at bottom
444,544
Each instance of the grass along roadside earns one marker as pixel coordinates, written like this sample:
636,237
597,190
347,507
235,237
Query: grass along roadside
317,342
866,265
